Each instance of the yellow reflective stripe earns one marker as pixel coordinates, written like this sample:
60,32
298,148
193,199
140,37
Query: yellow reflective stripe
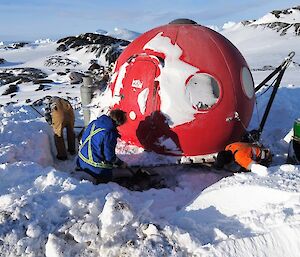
92,133
95,164
90,155
90,160
90,150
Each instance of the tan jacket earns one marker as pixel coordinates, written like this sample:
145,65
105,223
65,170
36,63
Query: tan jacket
59,114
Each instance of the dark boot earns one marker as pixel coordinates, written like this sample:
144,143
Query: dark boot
61,158
60,147
71,140
296,147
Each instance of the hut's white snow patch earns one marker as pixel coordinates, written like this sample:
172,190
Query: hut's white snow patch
174,101
119,84
142,100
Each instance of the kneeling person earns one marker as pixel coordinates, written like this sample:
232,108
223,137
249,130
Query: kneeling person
96,154
246,155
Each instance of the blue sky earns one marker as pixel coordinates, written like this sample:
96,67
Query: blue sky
35,19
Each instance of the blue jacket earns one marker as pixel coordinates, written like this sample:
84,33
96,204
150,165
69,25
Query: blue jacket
97,151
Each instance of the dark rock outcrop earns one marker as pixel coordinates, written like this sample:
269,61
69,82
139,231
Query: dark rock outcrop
20,75
11,89
40,81
280,25
94,66
278,13
58,60
16,45
62,48
61,73
76,77
98,44
41,87
264,68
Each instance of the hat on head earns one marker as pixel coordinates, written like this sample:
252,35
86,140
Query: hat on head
223,158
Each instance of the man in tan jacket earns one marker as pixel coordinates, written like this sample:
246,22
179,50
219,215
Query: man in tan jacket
59,114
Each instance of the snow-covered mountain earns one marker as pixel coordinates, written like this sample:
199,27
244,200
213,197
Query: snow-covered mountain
285,21
45,211
106,46
120,33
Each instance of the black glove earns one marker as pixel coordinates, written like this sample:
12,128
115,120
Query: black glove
119,163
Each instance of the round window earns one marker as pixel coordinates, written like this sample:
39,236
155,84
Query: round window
247,82
203,91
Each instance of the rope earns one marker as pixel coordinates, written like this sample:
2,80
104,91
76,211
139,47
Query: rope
271,85
252,138
245,128
257,113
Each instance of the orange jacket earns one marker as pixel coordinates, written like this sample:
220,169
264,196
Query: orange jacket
245,154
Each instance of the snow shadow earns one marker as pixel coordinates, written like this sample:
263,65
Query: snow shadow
9,64
210,226
282,113
280,119
184,184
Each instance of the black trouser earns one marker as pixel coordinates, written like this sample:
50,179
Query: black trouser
103,177
296,147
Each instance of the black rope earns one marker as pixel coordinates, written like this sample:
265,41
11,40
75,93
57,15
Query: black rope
267,89
257,113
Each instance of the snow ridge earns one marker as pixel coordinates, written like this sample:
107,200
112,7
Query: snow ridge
285,21
120,33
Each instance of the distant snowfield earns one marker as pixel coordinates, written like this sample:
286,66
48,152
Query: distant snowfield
46,212
120,33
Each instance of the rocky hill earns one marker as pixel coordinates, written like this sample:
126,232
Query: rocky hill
98,44
285,21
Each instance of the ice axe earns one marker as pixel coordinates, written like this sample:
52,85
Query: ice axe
42,115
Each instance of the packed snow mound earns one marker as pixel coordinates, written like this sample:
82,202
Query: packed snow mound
120,33
241,212
237,195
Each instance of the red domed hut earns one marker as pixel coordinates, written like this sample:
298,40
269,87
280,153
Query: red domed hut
186,88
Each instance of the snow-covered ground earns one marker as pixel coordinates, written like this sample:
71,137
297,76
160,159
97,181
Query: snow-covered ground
44,211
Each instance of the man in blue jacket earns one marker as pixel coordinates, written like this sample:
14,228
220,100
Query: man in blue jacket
96,155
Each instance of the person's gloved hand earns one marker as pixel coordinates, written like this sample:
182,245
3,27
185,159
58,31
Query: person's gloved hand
123,165
260,170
